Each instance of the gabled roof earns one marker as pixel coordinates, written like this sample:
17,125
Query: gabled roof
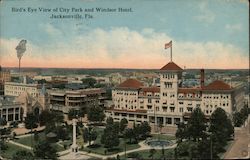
151,89
131,83
171,66
217,85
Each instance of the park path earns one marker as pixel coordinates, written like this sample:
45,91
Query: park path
85,155
240,148
20,145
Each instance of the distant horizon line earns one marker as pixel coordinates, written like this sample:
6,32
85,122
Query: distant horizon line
123,68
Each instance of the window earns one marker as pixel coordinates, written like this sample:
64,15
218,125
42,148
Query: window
190,109
149,101
172,109
157,108
169,120
149,107
181,109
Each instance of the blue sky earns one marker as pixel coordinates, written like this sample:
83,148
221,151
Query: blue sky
211,31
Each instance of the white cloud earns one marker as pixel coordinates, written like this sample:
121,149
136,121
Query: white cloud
233,27
51,30
205,15
125,48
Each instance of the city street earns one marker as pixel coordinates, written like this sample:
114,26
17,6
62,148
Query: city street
240,147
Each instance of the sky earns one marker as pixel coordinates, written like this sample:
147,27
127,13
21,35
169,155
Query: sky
205,34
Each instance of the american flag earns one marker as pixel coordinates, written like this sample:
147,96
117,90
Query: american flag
168,45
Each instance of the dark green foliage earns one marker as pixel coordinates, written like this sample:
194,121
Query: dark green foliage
44,150
208,141
123,124
240,117
3,145
182,132
90,82
196,125
129,134
89,134
152,152
23,155
110,137
36,136
221,132
30,121
50,118
96,114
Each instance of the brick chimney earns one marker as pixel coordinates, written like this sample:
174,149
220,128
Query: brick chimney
202,80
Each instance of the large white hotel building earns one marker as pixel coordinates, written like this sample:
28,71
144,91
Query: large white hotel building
170,103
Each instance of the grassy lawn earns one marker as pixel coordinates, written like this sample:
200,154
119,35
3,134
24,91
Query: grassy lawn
145,154
99,148
163,136
29,141
12,149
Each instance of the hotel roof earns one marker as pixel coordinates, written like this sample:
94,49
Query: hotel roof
131,83
151,89
171,66
217,85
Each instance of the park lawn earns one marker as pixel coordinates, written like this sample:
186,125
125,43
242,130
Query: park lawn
29,141
100,149
163,136
145,154
11,150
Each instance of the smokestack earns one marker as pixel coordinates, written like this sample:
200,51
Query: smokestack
20,49
202,80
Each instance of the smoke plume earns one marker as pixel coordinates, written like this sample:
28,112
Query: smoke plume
21,48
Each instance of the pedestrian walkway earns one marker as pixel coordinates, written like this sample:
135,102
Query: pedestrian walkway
85,155
240,147
20,145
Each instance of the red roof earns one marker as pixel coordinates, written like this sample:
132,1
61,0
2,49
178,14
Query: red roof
217,85
131,83
171,66
151,89
188,90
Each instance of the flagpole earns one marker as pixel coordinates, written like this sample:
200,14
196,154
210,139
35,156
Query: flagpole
171,53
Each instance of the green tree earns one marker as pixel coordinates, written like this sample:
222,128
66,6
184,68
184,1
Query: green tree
182,132
110,137
45,117
44,150
89,134
109,121
123,124
30,121
129,134
237,119
90,82
73,113
23,155
196,125
96,114
145,130
221,131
